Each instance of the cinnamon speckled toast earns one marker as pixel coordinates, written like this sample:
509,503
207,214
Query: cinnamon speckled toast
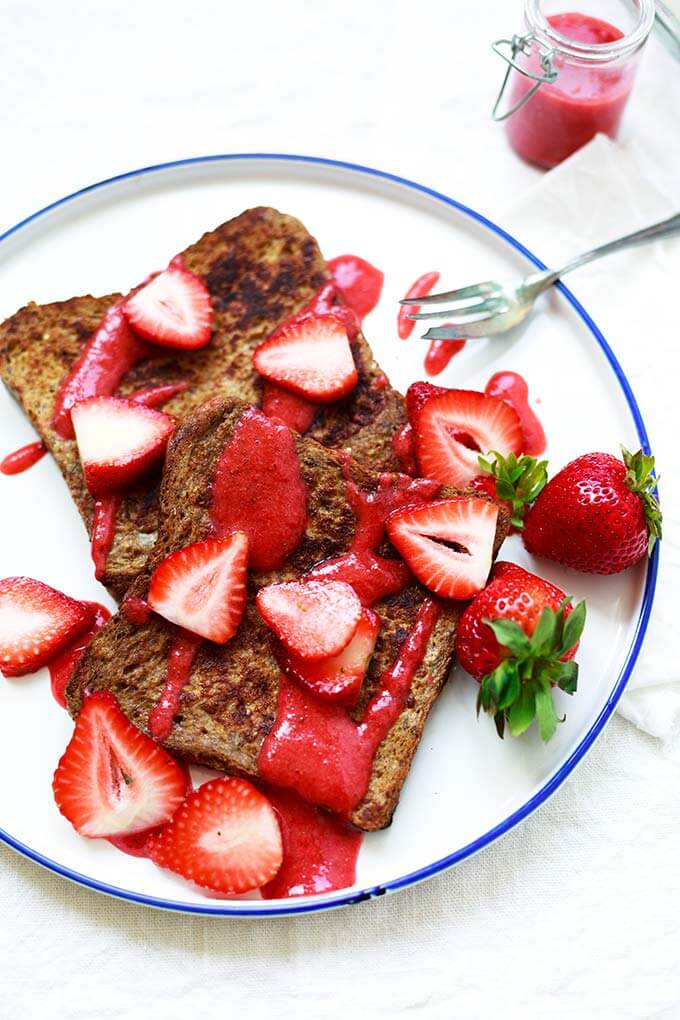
260,268
229,704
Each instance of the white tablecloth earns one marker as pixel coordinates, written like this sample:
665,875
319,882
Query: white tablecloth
577,913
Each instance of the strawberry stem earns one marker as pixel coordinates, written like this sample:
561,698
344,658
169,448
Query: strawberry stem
519,689
640,478
519,480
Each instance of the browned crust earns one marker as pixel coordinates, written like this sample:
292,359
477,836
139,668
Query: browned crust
260,268
229,705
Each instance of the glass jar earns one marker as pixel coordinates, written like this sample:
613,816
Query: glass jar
570,74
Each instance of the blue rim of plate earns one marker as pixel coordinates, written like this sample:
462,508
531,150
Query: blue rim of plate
358,896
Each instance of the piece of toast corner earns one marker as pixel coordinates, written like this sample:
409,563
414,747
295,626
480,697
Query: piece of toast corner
260,268
230,702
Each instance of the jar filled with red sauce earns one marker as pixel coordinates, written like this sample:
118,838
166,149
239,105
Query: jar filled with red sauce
570,74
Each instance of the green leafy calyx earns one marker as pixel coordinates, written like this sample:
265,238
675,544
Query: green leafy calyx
519,690
519,480
640,478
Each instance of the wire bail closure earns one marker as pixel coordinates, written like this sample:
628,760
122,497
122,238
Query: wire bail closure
522,44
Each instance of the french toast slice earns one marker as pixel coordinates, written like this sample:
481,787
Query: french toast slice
260,268
230,702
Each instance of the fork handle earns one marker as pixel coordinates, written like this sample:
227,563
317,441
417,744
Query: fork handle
538,282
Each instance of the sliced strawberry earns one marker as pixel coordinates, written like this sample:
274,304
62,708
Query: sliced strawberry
310,356
452,429
202,587
340,677
447,544
172,310
36,622
112,779
225,837
313,619
418,394
119,441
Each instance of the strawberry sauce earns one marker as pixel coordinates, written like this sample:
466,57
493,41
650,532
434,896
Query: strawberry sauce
584,100
23,458
359,284
136,611
404,446
62,665
258,489
295,411
513,389
439,354
373,576
103,532
319,851
157,396
181,657
422,286
112,350
318,750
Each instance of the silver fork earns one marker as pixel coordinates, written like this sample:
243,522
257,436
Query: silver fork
485,309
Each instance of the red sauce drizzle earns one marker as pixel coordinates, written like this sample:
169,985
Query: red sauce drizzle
296,412
359,284
373,576
108,355
439,354
318,750
62,665
422,286
156,396
404,446
103,532
136,611
258,489
183,648
512,388
112,350
319,851
23,458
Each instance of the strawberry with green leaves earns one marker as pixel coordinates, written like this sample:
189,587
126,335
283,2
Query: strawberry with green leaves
518,638
599,514
514,481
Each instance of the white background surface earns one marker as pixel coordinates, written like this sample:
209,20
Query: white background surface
574,914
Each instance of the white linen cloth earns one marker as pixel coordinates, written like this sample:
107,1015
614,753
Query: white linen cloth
575,914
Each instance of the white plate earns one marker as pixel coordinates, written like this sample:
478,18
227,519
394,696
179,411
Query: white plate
466,787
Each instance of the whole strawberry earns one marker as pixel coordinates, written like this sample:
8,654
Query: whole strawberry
598,514
518,637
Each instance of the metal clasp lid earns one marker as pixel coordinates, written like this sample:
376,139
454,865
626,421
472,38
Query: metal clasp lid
522,44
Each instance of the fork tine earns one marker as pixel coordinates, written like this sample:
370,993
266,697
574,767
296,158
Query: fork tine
472,313
471,320
449,332
484,289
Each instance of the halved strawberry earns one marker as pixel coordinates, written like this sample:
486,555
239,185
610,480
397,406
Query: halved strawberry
202,587
224,837
36,622
447,544
453,428
172,310
340,677
112,779
418,394
313,619
310,356
119,441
